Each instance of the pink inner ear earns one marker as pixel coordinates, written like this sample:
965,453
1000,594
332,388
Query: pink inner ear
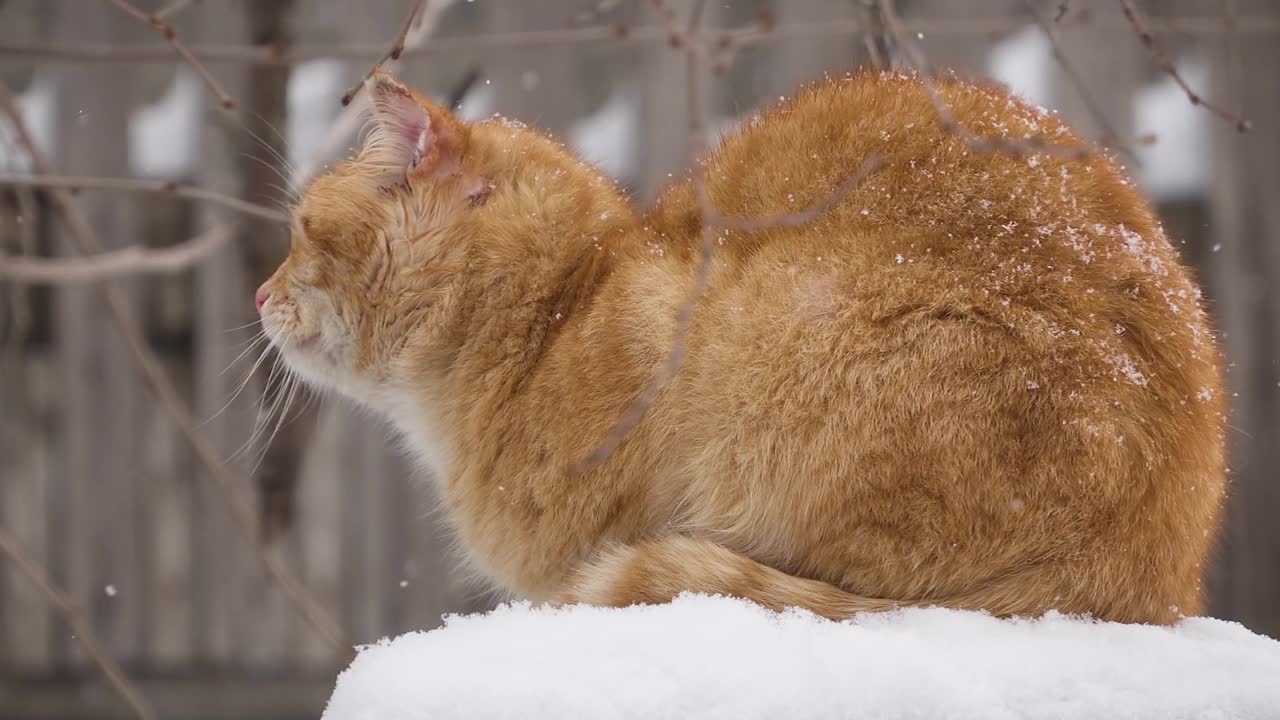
401,133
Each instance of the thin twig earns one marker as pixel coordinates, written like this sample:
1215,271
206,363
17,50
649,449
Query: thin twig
691,41
397,48
144,185
28,241
80,628
1235,60
171,9
978,143
809,214
594,14
171,401
731,41
348,122
134,260
1148,41
462,88
171,36
1110,134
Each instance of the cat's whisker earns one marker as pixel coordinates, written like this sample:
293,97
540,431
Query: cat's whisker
278,173
250,345
292,384
282,156
263,417
240,388
309,398
243,327
288,198
275,153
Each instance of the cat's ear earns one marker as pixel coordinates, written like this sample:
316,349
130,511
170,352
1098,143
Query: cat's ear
410,137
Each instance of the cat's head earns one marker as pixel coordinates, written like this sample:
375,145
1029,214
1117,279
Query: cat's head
381,245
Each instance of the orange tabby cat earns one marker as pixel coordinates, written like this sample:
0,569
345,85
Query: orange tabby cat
980,380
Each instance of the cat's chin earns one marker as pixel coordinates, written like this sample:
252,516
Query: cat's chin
306,358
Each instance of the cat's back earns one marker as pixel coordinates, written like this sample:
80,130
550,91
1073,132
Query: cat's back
1040,235
967,342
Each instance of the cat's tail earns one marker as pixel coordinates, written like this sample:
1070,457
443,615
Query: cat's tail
657,570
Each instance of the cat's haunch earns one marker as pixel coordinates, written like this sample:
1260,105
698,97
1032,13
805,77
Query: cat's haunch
980,380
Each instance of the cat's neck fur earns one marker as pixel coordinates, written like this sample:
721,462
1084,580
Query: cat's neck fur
524,313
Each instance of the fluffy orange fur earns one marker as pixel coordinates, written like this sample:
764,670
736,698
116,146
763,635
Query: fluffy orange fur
980,380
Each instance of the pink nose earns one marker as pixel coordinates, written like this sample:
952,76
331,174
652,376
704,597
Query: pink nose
260,297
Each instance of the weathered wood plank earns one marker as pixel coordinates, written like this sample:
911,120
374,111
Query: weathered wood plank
1244,276
319,529
26,394
167,559
93,517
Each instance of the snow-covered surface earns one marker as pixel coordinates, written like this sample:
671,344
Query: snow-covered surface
711,657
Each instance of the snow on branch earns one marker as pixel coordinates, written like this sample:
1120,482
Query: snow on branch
714,657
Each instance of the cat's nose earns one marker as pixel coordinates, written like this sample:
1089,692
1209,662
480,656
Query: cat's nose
260,297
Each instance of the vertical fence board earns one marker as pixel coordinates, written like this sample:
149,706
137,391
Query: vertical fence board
26,393
96,511
320,518
1245,277
665,143
167,578
354,534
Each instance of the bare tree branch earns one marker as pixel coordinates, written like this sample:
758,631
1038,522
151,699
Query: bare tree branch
80,628
1148,41
595,13
348,122
467,46
171,36
171,399
980,143
397,48
173,8
1235,61
144,185
692,41
1110,135
848,185
135,260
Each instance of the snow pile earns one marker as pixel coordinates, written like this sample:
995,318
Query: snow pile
712,657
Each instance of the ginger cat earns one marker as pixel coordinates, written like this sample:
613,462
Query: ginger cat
980,380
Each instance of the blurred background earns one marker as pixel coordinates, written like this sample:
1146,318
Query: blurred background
224,561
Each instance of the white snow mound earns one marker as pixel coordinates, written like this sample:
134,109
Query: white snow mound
715,657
